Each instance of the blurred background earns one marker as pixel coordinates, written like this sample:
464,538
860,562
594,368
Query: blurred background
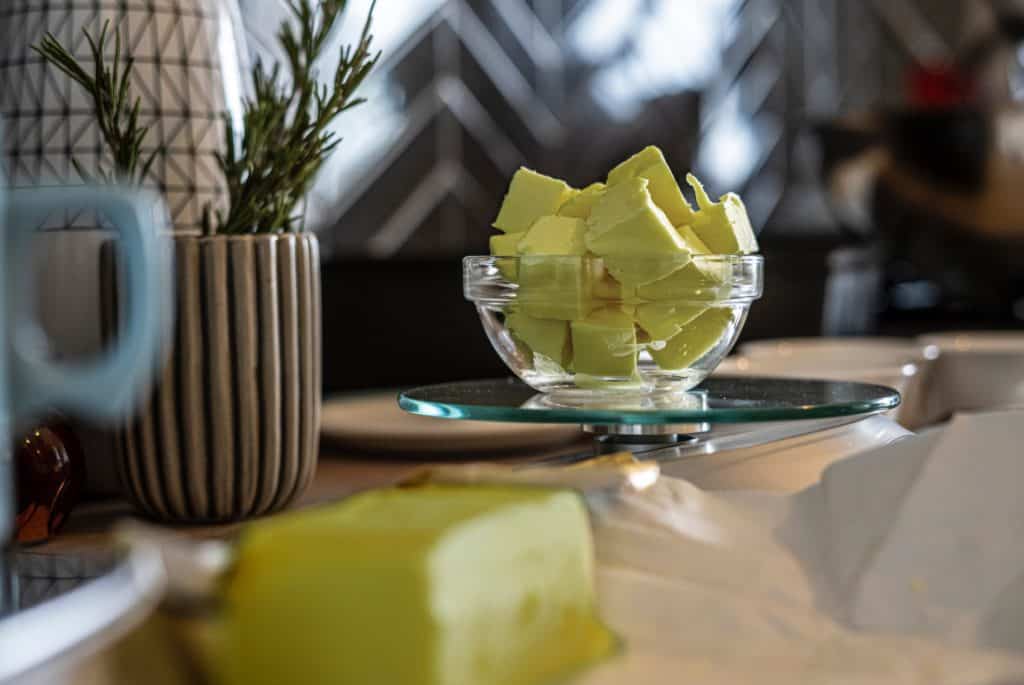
877,144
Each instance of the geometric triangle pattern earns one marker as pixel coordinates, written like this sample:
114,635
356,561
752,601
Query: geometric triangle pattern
188,56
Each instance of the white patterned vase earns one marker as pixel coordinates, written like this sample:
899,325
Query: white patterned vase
188,56
189,60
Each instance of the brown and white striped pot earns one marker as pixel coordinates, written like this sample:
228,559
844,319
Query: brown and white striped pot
231,429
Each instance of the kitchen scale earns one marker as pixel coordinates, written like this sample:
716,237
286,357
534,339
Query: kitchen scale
730,432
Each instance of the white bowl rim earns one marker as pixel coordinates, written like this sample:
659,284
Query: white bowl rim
907,349
976,341
769,365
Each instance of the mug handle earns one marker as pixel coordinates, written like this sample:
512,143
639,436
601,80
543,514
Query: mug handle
108,387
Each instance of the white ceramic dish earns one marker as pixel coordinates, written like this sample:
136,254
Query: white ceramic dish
903,364
58,640
977,370
853,353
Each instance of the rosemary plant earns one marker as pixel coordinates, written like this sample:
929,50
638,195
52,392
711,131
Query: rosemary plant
116,114
285,137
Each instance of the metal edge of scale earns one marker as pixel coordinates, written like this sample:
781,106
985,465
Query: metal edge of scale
680,441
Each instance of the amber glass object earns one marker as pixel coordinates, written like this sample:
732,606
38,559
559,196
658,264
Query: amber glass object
50,474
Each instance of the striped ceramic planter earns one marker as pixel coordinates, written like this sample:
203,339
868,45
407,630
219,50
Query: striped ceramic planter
231,430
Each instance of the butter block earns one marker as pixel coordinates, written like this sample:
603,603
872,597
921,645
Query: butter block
650,164
432,585
547,337
582,201
687,284
604,344
724,225
555,287
530,196
635,238
504,245
605,287
554,235
696,281
664,321
621,203
694,340
611,294
554,281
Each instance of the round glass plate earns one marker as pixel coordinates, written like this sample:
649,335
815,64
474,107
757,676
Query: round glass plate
718,400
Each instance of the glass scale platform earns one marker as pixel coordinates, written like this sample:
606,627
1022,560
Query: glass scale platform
722,413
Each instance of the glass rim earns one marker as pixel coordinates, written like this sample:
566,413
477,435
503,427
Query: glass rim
485,281
476,260
729,401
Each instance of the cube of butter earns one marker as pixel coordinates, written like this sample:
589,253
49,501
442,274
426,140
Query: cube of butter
607,288
554,281
635,238
694,340
530,196
547,337
554,235
432,585
697,281
650,164
724,225
555,287
661,321
582,201
505,245
604,344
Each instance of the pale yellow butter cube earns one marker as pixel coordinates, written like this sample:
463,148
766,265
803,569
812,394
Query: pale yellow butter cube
547,337
505,245
554,281
724,225
694,340
582,201
663,321
635,238
530,196
650,164
697,281
604,344
554,235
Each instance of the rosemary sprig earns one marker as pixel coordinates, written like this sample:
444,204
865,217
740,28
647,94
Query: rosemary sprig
285,137
116,114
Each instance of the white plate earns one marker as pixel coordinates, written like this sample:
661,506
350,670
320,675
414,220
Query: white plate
977,370
56,641
900,371
843,352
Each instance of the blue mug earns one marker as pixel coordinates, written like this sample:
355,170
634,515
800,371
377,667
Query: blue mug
108,387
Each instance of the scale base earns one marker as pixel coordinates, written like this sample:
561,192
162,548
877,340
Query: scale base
618,437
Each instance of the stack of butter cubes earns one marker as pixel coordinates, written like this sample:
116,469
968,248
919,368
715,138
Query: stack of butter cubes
610,270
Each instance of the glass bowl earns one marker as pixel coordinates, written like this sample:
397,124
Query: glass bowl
566,326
